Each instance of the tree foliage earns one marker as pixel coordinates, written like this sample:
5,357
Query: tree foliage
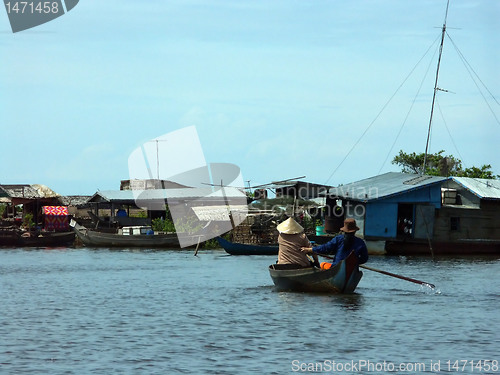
439,164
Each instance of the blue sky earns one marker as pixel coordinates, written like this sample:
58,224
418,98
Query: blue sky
280,88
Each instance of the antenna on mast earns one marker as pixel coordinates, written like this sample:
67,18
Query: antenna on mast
436,88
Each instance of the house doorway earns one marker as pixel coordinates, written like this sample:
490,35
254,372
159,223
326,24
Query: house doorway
405,220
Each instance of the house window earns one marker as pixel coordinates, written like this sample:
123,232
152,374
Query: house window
454,223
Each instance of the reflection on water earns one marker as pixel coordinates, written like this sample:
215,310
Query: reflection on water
124,311
352,302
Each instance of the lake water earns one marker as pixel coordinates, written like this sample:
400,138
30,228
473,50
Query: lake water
88,311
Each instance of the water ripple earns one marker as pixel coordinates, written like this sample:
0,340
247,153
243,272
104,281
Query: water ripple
99,311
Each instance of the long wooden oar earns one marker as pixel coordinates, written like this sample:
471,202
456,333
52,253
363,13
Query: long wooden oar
389,273
398,276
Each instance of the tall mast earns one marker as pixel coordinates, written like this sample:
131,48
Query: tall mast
443,31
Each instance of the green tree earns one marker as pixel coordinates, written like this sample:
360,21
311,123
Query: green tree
439,164
162,225
483,172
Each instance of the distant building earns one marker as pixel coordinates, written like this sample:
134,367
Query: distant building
77,205
204,204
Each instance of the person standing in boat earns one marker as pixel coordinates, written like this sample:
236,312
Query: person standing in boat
342,245
290,240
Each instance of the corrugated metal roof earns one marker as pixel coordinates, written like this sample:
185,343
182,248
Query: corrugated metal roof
159,194
147,184
291,184
483,188
384,185
278,186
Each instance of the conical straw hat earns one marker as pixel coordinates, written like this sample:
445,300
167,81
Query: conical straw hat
290,226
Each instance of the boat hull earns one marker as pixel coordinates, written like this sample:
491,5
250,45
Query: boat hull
40,239
49,239
101,239
247,249
343,278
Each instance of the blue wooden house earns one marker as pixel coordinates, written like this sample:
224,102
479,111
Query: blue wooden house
420,213
389,206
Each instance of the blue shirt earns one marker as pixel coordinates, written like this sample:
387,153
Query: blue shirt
336,246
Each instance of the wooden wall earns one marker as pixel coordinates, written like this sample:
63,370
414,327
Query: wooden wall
474,223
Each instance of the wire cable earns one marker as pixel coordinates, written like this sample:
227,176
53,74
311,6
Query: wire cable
378,115
411,107
470,70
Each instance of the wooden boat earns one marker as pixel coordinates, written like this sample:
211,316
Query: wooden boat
102,239
16,238
48,239
341,278
234,248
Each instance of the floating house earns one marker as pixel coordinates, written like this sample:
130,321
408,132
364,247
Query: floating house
421,214
469,218
206,203
198,213
33,215
32,199
77,204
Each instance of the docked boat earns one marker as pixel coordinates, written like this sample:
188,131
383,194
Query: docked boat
234,248
18,238
126,237
341,278
48,239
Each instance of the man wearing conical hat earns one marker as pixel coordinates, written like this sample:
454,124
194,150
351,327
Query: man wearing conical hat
342,245
290,240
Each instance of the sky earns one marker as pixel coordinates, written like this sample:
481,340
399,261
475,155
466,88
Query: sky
326,89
